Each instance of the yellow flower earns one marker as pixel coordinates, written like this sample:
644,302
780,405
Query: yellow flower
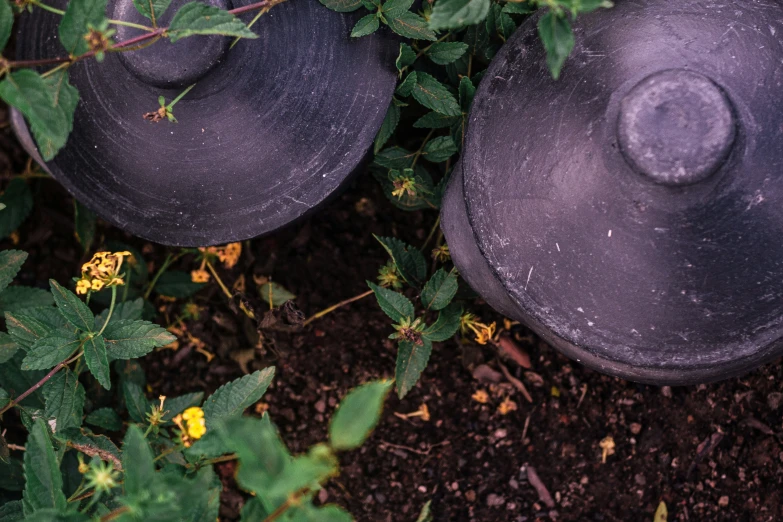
194,426
507,406
484,333
199,276
441,253
193,413
480,396
229,254
102,271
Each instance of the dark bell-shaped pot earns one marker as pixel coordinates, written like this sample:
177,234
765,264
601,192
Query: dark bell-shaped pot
272,128
631,212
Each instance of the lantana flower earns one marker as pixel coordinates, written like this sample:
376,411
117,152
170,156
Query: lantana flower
102,271
192,425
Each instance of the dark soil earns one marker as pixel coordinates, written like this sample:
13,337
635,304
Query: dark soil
710,452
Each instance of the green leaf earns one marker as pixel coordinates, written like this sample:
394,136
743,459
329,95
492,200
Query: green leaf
366,25
231,399
198,18
137,462
357,415
50,350
176,405
466,92
439,149
152,9
405,88
406,57
64,400
87,442
455,14
425,515
434,120
10,263
444,53
18,201
132,339
137,404
6,22
275,294
393,304
395,8
409,260
439,290
97,361
521,8
105,418
79,17
85,222
44,483
411,25
12,511
558,39
395,158
317,466
27,326
432,94
16,298
128,310
175,283
411,360
387,127
72,308
342,6
7,347
446,325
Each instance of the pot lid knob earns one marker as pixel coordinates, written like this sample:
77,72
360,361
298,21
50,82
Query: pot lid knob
676,127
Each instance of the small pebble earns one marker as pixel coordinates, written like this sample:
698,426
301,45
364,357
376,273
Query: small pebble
470,495
636,428
723,501
495,500
666,391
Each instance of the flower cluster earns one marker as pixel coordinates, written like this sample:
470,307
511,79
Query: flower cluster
191,423
228,255
389,277
484,332
102,271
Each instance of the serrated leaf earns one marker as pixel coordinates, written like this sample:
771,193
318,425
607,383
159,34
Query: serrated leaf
132,339
50,350
439,290
342,6
10,263
64,400
522,8
175,283
87,442
444,53
105,418
357,415
446,325
231,399
409,260
387,127
411,25
439,149
198,18
434,120
152,9
412,358
18,201
137,404
44,483
16,381
17,298
466,92
395,158
558,39
128,310
309,470
405,88
49,116
79,16
406,57
137,461
366,25
455,14
7,347
12,511
97,361
393,304
72,308
432,94
27,326
393,8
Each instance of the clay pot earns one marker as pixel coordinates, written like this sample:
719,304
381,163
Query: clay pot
272,128
630,213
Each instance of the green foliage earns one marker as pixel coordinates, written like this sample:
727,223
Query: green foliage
358,415
80,17
199,18
231,399
152,9
17,202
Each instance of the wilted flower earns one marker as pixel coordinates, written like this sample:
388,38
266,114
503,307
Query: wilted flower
102,271
484,332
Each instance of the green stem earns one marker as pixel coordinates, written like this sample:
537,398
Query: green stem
168,452
113,22
178,98
421,149
111,308
166,264
431,234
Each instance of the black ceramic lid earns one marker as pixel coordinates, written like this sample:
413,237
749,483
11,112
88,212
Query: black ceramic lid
632,210
271,129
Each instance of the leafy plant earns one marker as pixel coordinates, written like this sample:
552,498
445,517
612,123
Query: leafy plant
162,470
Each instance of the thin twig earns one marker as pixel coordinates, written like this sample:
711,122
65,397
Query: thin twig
335,307
40,383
